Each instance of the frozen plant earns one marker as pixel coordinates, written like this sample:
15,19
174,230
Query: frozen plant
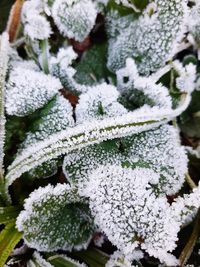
91,97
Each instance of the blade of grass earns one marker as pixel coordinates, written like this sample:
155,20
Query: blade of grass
9,237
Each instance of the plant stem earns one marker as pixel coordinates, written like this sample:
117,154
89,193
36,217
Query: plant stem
45,52
188,249
190,181
14,20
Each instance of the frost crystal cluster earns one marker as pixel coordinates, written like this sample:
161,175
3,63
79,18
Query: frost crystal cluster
94,93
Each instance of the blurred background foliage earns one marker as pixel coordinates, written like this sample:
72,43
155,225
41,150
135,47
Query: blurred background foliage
5,6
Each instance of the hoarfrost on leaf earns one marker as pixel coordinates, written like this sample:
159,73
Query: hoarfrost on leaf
157,149
55,117
37,28
36,25
119,260
128,3
60,67
28,90
74,18
152,39
4,57
187,77
98,103
194,24
126,207
38,261
55,218
137,91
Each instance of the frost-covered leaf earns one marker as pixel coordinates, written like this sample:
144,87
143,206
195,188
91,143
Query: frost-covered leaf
55,218
64,261
128,3
74,18
60,67
36,25
38,261
56,260
152,39
127,208
28,90
88,133
194,24
157,149
98,103
4,47
55,117
137,91
119,260
186,82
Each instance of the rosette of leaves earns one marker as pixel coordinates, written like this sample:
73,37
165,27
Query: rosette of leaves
124,165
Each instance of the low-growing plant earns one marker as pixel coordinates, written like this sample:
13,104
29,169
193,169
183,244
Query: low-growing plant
96,139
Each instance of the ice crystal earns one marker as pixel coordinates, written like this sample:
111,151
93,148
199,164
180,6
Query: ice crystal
28,90
158,149
74,18
98,103
55,218
152,39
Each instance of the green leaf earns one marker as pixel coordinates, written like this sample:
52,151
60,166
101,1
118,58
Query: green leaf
93,257
92,67
8,214
64,261
190,119
38,261
55,218
9,237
